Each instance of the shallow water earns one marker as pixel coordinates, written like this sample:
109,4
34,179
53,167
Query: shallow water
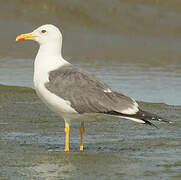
142,82
132,46
114,149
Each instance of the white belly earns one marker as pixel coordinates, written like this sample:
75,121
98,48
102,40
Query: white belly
55,103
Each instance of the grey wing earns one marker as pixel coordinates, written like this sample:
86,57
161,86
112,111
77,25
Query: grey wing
88,94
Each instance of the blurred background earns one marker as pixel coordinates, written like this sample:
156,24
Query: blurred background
133,45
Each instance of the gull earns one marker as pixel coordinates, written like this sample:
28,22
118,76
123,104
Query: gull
71,92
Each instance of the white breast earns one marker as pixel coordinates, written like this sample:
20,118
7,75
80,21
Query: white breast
41,73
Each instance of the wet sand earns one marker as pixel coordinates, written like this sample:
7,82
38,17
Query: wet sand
114,149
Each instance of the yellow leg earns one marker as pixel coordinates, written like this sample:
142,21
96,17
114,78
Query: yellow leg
82,136
67,129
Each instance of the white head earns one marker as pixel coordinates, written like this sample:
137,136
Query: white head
44,34
48,36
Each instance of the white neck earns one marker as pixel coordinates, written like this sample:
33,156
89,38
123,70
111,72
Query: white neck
48,59
51,48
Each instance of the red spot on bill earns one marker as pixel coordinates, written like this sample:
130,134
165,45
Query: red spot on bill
21,39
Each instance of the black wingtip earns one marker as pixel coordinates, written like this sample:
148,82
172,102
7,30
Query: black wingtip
145,116
151,124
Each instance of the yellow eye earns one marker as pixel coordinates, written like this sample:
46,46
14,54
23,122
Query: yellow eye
43,31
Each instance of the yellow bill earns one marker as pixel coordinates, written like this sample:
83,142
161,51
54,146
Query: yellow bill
27,36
